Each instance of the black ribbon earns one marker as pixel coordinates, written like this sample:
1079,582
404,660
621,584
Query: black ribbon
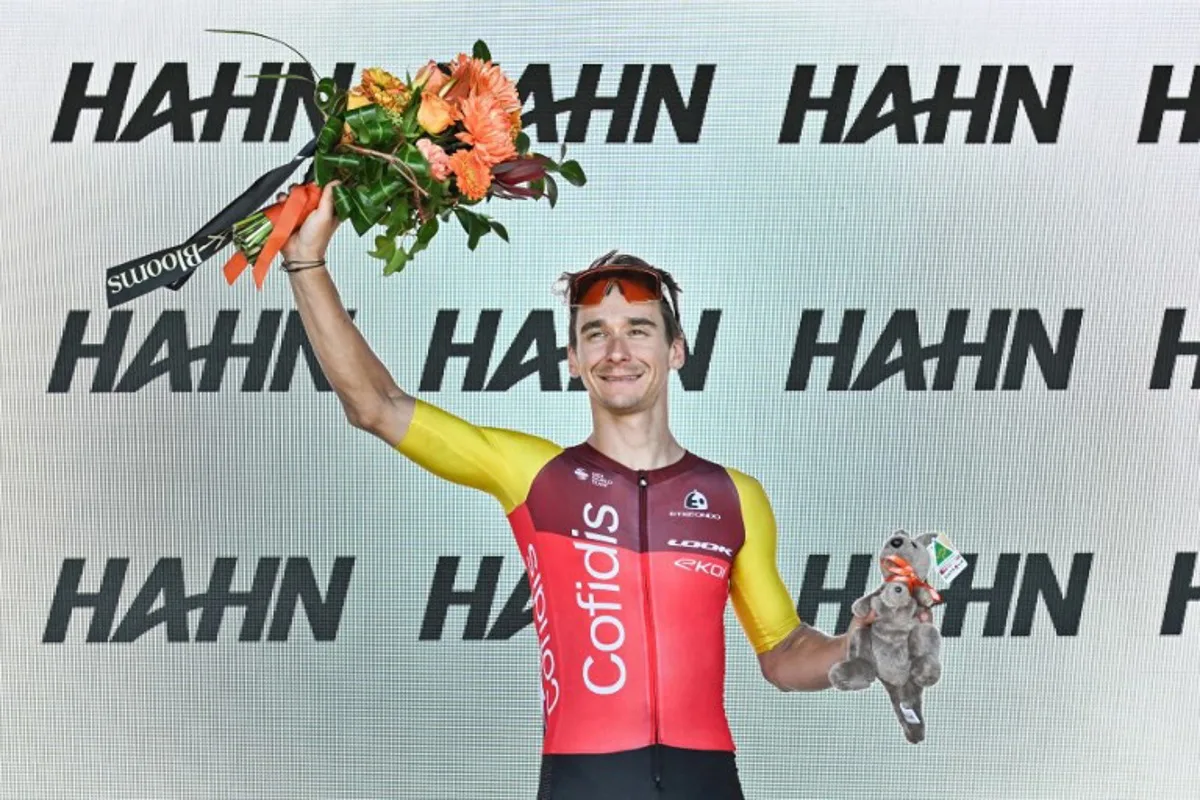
173,266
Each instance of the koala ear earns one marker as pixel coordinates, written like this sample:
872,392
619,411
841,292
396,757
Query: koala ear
926,539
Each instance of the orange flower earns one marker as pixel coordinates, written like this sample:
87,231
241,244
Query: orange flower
430,78
472,76
439,162
435,114
383,89
488,128
471,173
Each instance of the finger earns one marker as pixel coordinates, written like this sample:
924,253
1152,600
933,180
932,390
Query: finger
326,203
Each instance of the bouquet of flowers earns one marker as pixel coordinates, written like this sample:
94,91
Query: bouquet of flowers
407,154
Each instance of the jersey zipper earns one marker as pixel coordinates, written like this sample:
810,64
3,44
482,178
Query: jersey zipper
651,654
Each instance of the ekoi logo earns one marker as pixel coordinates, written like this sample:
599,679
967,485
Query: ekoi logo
607,632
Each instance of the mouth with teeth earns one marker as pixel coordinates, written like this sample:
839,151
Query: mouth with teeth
620,378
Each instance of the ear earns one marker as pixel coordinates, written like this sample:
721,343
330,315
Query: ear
926,539
678,353
572,362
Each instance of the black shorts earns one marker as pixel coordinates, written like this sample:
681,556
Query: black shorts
649,773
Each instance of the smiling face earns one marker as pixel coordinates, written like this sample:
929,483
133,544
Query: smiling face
622,355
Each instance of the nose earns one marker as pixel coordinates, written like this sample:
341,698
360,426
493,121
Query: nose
618,349
896,542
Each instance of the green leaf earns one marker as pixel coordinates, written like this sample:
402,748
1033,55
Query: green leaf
409,119
427,231
396,262
410,156
328,96
481,51
464,219
372,126
378,193
330,134
269,38
343,205
522,143
500,230
289,77
551,190
399,220
573,173
385,248
425,235
327,166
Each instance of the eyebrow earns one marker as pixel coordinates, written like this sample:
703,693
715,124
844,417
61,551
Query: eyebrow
632,321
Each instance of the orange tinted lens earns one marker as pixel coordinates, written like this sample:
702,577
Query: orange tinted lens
636,287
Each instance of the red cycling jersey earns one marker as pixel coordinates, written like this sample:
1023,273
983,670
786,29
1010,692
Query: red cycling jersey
629,572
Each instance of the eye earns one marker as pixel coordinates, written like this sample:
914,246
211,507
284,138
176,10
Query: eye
638,332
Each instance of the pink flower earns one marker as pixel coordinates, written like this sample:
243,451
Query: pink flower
439,162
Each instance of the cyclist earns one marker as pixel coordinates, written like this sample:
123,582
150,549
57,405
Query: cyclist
632,544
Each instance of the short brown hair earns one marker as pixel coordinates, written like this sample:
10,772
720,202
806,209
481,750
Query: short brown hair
614,258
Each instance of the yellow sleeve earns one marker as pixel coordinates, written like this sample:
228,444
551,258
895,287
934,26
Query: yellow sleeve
761,601
501,462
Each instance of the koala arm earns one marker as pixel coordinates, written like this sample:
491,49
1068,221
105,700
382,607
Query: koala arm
863,605
924,597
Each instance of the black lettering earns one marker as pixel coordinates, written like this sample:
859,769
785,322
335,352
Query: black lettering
1179,594
842,351
814,593
67,598
71,349
169,330
478,601
621,104
166,580
892,87
442,348
537,331
801,100
299,584
902,329
1020,92
1158,103
954,346
221,348
223,98
694,372
663,89
1029,334
1039,580
75,99
294,341
1170,347
171,84
516,614
220,597
998,598
297,93
945,102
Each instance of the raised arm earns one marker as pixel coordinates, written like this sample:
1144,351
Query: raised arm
494,460
369,396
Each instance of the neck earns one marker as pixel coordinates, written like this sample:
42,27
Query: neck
641,440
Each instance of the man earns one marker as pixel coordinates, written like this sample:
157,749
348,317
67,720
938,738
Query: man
631,543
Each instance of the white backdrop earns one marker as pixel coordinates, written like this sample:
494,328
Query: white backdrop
758,229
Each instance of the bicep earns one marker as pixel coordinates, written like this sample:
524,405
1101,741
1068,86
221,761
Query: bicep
760,599
499,462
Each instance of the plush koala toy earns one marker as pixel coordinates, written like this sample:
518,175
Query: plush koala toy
898,649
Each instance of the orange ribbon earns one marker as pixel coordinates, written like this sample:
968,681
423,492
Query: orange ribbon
897,569
285,218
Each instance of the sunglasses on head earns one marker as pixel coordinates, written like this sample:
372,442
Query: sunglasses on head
636,284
